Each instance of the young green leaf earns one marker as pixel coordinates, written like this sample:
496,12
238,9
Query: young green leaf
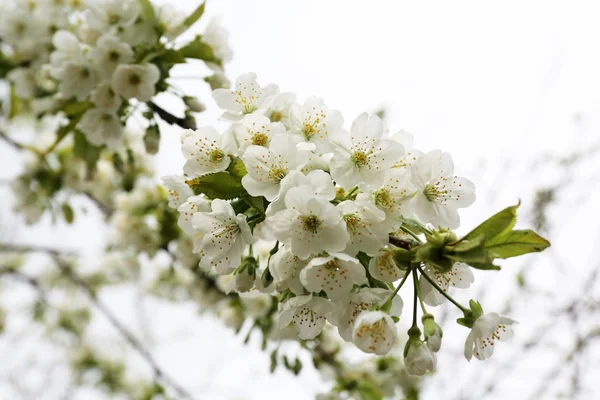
516,243
220,185
199,50
194,16
496,225
237,168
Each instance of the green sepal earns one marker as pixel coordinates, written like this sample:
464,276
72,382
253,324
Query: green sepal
516,243
402,257
218,185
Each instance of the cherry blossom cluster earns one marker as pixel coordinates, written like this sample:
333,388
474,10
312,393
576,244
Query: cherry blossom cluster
97,60
344,213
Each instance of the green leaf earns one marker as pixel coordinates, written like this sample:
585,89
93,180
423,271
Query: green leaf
194,16
15,103
171,56
496,225
516,243
199,50
219,185
148,11
258,203
76,108
237,167
464,246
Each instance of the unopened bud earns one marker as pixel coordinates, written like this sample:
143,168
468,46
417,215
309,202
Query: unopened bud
193,104
152,139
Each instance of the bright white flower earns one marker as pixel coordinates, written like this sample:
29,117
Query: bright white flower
247,98
374,332
205,151
102,128
235,282
418,358
438,192
256,130
170,20
280,110
309,225
411,154
314,122
66,48
363,223
256,304
383,267
285,268
178,190
106,15
109,53
105,98
335,274
77,78
320,183
217,38
308,314
187,209
363,156
459,276
225,235
486,330
363,300
393,197
267,167
135,81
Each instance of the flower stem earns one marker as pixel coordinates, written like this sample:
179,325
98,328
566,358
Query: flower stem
400,285
415,284
408,231
418,289
403,244
443,293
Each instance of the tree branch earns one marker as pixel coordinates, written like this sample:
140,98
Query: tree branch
15,144
404,244
166,116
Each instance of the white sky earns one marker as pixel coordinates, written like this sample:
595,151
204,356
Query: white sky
486,81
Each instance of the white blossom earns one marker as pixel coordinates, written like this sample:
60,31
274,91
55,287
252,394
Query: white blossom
439,193
108,15
363,156
187,209
280,110
285,268
135,81
256,130
205,151
102,128
315,123
308,314
77,78
105,98
374,332
383,267
109,53
309,225
178,191
486,330
247,98
335,274
363,223
217,38
411,154
459,276
419,359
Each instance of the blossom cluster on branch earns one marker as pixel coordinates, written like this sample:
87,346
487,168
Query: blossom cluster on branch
346,214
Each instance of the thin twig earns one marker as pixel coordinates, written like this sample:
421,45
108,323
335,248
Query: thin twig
15,144
404,244
166,116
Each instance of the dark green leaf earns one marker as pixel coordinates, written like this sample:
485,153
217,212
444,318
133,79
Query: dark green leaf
171,56
220,185
258,203
516,243
194,16
496,225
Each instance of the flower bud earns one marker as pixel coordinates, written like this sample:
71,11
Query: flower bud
432,332
418,358
374,332
193,104
152,139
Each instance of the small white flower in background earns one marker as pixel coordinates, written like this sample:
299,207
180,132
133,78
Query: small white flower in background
308,314
225,234
136,81
256,130
393,197
486,330
383,267
232,316
236,282
217,38
109,15
101,127
411,154
205,151
314,122
178,191
374,332
418,358
268,166
281,108
363,300
247,98
170,20
109,53
66,48
363,156
335,274
459,276
77,78
105,98
320,183
285,268
187,209
24,82
309,225
256,304
438,192
363,223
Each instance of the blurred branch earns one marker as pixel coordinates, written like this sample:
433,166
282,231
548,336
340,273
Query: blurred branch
166,116
15,144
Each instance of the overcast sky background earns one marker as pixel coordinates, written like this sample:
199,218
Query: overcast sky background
497,84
